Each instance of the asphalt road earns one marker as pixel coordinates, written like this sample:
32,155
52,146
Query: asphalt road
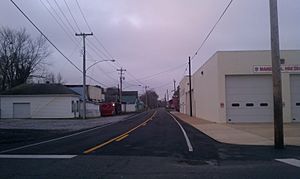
152,144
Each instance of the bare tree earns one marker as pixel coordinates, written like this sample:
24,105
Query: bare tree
20,56
50,78
59,79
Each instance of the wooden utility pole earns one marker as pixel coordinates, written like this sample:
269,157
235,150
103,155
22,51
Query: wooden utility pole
168,95
276,75
146,97
84,73
190,84
174,81
121,83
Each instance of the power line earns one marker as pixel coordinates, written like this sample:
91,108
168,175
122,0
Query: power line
206,38
90,29
59,23
96,38
45,36
106,74
103,47
72,16
66,26
96,50
159,73
54,10
109,54
164,85
63,25
68,21
62,12
38,29
96,81
101,51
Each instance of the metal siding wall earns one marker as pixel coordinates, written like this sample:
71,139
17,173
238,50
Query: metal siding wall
41,107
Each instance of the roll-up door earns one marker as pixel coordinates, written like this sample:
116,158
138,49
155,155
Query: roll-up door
249,98
295,97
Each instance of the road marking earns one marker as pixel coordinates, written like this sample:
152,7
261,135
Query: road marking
290,161
121,138
39,156
114,139
185,135
55,139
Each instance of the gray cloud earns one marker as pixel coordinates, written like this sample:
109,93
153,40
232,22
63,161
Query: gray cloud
148,37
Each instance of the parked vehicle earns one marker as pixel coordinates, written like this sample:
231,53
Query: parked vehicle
110,108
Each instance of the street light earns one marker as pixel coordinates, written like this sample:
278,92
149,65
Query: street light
96,62
84,85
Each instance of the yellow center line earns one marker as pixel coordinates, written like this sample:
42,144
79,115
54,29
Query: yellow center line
118,138
121,138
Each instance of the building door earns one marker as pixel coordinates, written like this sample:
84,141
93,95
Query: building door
21,110
295,97
249,98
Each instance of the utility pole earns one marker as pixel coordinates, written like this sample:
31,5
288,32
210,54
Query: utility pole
190,84
167,95
165,100
146,97
276,75
174,85
84,72
121,82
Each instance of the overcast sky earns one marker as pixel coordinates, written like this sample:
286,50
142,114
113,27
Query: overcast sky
150,37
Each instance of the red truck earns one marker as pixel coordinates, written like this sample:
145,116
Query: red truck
110,108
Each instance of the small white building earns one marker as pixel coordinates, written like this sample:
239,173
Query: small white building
236,86
39,101
184,97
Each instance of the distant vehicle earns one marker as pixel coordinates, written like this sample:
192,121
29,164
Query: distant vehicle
109,108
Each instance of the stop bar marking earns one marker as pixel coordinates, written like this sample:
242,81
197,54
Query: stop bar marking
38,156
290,161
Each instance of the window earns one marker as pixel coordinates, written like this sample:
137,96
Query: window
249,104
264,104
297,104
235,104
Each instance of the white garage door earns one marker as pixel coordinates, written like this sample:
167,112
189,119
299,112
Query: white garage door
21,110
249,99
295,97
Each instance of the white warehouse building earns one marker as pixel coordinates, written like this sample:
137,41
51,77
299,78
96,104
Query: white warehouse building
39,101
236,86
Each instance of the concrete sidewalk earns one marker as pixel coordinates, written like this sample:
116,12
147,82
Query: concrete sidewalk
244,134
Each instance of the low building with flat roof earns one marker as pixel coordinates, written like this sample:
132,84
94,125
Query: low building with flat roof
236,86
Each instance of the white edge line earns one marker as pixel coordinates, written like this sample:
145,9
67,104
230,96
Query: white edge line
38,156
290,161
55,139
185,135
